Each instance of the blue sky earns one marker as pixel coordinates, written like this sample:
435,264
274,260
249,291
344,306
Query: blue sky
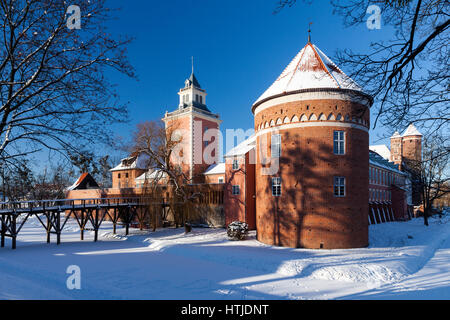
240,48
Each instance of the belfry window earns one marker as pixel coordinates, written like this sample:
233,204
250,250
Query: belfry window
339,142
339,186
276,186
276,146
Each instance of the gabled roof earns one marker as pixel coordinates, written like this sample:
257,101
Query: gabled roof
377,160
217,168
242,148
382,150
133,162
310,69
411,131
85,181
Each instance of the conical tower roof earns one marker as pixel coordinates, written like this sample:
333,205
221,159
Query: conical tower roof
310,69
411,131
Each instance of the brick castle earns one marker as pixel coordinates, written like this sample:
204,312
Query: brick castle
307,177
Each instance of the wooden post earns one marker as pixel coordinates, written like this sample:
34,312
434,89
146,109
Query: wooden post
127,222
13,230
96,225
82,225
49,227
114,220
58,226
3,231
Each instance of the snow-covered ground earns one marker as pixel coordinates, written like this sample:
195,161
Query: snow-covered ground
405,260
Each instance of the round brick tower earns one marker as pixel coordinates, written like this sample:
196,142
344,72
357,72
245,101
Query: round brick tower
312,157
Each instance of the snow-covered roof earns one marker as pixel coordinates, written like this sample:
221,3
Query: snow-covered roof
242,148
310,69
411,131
151,175
396,135
218,168
134,162
86,179
382,150
377,160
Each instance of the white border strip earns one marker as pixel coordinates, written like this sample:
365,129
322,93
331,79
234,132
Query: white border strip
312,124
306,96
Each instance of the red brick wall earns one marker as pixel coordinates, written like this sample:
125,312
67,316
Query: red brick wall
399,204
307,214
126,182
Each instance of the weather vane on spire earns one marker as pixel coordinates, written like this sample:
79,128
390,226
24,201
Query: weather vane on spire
309,32
192,58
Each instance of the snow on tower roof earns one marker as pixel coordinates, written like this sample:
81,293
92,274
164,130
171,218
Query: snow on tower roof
411,131
396,135
310,69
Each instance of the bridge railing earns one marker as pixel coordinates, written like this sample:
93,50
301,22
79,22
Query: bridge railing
67,203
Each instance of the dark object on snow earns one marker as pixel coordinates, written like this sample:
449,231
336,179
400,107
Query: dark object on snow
187,227
410,237
237,230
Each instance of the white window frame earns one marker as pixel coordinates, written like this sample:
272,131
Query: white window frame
339,142
235,165
276,186
339,182
275,146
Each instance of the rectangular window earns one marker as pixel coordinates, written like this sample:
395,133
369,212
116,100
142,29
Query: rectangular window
235,190
221,180
339,186
339,142
276,146
276,186
118,176
204,132
201,99
235,164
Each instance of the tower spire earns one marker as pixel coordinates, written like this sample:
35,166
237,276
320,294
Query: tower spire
192,58
309,32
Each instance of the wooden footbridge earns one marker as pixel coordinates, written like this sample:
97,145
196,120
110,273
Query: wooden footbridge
89,214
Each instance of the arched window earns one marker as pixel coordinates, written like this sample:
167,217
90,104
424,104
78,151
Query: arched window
303,118
331,117
312,117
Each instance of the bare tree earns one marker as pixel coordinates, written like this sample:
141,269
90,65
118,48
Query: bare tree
164,149
53,90
433,172
408,75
